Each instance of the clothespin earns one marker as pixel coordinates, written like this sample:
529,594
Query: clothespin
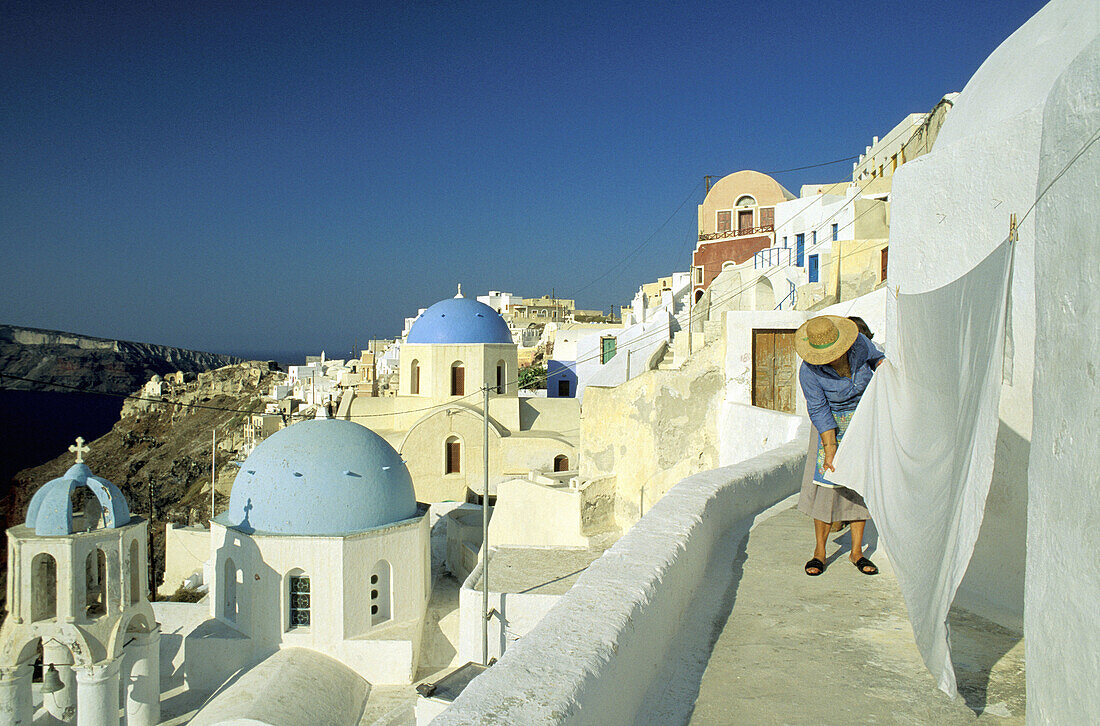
1013,230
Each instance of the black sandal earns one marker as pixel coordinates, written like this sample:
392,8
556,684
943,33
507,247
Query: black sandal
862,563
817,565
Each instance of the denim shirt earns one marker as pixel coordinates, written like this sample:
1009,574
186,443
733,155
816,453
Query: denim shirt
826,391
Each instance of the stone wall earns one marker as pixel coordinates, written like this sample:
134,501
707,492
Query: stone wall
653,430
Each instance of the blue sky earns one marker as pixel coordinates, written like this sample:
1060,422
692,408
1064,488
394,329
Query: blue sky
278,176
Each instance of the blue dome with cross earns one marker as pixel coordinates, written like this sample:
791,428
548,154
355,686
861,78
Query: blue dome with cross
51,509
460,320
320,477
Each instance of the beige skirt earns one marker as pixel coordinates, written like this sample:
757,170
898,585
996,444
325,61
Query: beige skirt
829,504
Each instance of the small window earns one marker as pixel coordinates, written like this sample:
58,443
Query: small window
725,221
414,378
381,593
607,349
745,201
453,456
500,377
43,587
698,275
458,380
784,240
836,231
561,462
563,388
95,584
299,601
813,237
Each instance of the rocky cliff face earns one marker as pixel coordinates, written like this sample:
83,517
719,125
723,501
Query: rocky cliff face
91,364
159,452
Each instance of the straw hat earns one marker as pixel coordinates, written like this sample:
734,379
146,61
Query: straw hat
825,338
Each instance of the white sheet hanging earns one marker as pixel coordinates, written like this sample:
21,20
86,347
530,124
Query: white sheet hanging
920,447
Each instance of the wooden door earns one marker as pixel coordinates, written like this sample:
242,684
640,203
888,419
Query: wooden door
773,370
884,251
744,221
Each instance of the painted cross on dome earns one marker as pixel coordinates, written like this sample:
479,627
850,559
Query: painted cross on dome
80,449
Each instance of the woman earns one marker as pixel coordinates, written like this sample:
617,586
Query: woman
838,365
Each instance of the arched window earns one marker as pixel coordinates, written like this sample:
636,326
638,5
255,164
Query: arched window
414,378
381,594
458,379
745,200
43,587
500,376
95,584
698,295
452,455
229,590
298,599
561,462
135,572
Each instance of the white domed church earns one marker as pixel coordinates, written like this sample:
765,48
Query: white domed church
457,349
325,547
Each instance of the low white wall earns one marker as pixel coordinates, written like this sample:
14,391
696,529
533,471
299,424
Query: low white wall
595,655
528,513
516,615
744,431
186,549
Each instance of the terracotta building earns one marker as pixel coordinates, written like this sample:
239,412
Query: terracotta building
736,219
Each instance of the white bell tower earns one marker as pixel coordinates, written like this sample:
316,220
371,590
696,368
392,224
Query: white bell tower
77,588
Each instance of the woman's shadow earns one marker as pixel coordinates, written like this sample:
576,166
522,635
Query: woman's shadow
844,540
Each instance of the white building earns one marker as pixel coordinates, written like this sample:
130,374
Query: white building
323,547
77,588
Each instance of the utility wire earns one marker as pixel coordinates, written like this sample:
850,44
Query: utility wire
637,249
645,336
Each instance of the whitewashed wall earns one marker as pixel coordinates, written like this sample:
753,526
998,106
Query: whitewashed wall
634,345
595,655
1062,621
516,614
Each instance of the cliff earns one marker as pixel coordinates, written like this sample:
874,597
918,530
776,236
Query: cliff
159,451
91,364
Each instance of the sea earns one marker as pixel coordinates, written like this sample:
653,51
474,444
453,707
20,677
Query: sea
36,426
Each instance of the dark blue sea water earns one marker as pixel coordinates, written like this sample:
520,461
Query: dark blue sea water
36,426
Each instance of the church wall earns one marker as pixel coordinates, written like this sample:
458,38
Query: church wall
339,570
1062,622
406,548
424,452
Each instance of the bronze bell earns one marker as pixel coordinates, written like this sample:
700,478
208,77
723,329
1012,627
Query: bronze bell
51,680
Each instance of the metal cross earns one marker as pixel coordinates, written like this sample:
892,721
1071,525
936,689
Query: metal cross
80,449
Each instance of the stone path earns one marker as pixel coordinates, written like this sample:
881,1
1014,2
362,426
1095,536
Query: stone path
839,648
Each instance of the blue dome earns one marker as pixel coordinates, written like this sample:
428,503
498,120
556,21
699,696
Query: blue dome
320,477
51,509
460,320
